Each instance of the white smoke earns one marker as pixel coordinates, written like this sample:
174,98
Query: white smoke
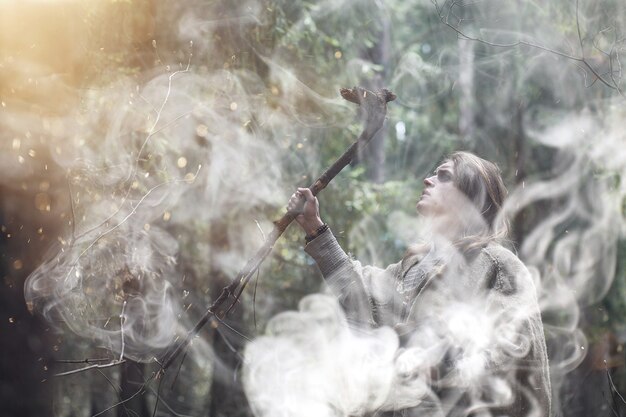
571,255
312,363
179,151
160,157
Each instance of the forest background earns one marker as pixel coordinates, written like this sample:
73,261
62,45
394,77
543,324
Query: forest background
154,141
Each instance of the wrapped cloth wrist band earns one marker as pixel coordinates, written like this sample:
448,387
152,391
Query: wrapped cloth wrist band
319,231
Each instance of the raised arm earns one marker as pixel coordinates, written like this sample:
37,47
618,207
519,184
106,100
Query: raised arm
361,290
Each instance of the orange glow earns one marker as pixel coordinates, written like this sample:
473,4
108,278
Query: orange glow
50,48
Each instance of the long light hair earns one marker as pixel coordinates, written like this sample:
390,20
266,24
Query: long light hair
481,182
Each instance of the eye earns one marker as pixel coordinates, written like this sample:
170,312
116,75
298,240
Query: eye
444,176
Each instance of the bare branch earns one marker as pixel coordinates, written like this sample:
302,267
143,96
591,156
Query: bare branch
72,209
151,133
232,329
82,360
118,391
374,109
128,216
611,83
94,366
169,408
137,160
584,74
117,388
256,285
228,344
141,390
180,366
580,38
608,374
122,320
158,397
260,230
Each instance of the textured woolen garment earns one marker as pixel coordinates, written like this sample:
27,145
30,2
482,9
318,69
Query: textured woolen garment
473,322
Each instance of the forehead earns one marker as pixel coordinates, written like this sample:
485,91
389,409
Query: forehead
446,165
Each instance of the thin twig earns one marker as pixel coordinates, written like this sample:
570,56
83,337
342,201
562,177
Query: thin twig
229,345
118,391
584,74
106,220
260,229
139,391
580,38
82,360
95,366
256,284
158,397
508,45
256,281
72,210
180,365
122,321
232,329
171,410
613,384
128,216
151,133
158,118
445,20
138,159
125,198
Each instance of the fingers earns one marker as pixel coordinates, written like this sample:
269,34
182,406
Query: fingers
304,207
301,199
308,195
294,201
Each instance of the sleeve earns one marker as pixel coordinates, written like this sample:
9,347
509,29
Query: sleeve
361,290
517,352
512,302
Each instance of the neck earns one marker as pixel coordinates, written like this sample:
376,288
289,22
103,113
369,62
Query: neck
446,230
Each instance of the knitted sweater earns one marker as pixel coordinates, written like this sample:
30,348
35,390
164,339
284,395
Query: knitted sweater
471,328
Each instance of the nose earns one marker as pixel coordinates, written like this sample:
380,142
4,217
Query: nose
428,182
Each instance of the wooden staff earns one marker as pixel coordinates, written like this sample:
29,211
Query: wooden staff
373,110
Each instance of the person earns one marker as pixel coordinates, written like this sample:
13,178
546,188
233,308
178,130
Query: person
464,307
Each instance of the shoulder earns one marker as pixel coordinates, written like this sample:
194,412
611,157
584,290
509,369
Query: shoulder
507,272
501,257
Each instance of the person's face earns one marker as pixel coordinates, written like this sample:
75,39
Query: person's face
440,195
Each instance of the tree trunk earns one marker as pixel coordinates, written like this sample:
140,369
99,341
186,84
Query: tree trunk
373,155
131,375
518,226
467,116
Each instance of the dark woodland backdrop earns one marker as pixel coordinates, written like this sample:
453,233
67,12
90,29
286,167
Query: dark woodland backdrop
94,119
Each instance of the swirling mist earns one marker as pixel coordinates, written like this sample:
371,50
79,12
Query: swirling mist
151,160
166,158
570,250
